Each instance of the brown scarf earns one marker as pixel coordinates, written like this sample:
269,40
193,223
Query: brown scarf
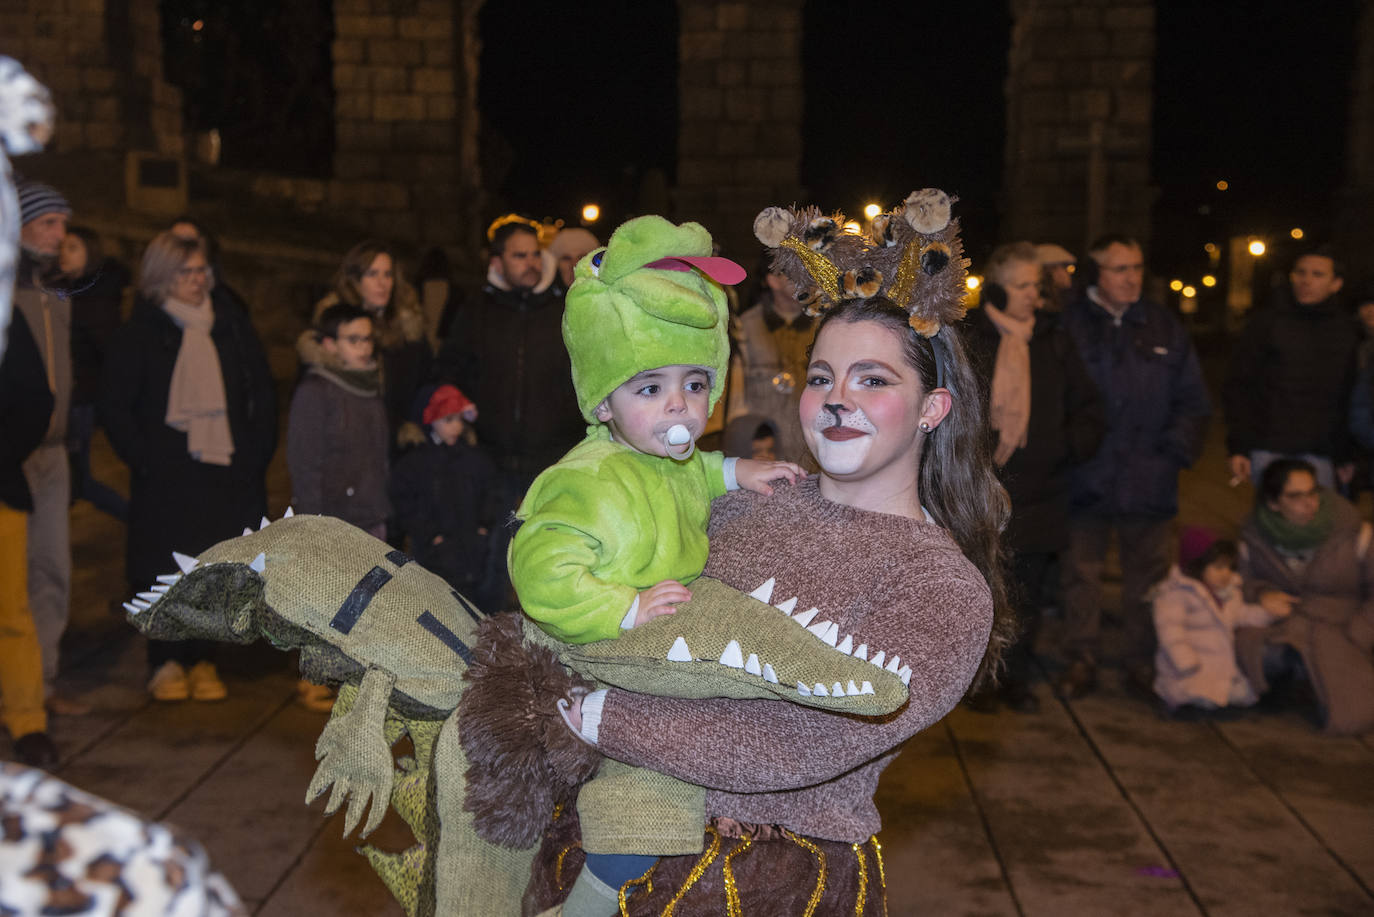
196,404
1009,411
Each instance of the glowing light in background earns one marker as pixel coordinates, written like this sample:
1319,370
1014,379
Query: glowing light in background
1208,280
872,210
1256,248
1175,285
591,213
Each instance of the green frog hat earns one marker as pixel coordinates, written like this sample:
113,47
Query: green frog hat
651,297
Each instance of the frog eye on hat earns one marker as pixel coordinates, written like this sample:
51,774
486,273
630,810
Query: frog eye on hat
596,263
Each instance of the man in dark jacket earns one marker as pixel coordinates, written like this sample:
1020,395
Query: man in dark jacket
1157,410
26,404
505,351
1288,388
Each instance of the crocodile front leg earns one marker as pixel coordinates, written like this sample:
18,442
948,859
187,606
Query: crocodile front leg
354,756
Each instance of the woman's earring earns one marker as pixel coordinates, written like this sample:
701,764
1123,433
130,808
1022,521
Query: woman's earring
925,426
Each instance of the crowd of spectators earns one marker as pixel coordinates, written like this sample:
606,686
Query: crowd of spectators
422,415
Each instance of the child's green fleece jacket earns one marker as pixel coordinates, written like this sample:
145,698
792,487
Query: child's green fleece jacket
604,523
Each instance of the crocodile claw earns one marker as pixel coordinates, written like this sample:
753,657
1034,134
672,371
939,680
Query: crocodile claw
355,758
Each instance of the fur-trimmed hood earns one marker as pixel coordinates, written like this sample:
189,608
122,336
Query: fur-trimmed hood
407,324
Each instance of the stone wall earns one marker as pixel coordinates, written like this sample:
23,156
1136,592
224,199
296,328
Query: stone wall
740,111
102,60
1354,227
1079,107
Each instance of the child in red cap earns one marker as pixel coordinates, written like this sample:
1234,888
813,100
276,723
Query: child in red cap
442,493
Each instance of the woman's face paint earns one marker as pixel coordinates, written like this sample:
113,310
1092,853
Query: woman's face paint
862,403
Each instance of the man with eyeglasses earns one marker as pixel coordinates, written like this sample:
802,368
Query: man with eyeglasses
1157,409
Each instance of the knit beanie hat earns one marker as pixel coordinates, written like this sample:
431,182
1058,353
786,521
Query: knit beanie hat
446,401
573,239
652,297
1193,542
37,199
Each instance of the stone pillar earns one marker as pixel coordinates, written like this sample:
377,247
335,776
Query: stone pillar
405,157
102,60
1354,224
1079,107
739,117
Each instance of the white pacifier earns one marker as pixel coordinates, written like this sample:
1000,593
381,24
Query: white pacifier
678,441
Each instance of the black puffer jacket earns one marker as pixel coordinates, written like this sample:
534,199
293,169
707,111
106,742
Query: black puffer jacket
447,491
1066,427
505,351
26,406
1288,386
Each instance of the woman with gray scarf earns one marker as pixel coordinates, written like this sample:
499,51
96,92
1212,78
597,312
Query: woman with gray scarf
189,404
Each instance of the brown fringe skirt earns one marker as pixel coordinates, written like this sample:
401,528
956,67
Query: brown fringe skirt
769,873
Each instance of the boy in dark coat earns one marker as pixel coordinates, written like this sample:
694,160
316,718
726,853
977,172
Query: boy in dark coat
336,437
444,493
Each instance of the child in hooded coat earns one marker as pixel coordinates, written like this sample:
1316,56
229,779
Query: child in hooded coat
444,493
1197,609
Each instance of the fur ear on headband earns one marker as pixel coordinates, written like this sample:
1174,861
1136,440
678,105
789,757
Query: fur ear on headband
770,226
927,210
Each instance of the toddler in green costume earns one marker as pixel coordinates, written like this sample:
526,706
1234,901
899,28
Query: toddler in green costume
615,530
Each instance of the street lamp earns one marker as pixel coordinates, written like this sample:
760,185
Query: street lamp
1295,232
852,227
1256,247
1208,280
1223,185
872,210
973,282
1189,292
590,213
1175,285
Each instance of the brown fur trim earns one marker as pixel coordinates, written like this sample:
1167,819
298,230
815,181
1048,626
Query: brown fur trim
821,233
934,257
523,760
884,230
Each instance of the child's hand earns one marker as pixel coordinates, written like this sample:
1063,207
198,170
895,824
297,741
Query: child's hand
661,599
755,475
1278,604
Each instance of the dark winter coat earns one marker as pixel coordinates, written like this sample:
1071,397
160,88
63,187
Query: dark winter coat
505,351
25,408
337,446
1066,427
447,491
1332,624
1156,405
97,299
1289,383
175,502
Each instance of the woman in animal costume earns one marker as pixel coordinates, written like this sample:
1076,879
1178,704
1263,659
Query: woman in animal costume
896,540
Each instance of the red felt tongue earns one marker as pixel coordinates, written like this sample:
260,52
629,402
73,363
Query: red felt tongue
721,270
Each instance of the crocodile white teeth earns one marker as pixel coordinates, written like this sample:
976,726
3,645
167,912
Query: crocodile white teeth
894,664
806,617
733,656
168,579
751,665
679,651
141,605
862,652
820,690
131,609
786,607
851,689
837,690
259,563
149,597
803,690
162,590
768,674
832,634
187,564
247,530
878,658
765,591
846,645
264,523
289,513
819,628
904,673
867,688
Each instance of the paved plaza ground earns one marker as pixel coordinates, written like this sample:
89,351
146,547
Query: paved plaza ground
1095,807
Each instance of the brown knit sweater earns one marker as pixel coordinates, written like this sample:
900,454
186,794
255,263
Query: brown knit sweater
899,585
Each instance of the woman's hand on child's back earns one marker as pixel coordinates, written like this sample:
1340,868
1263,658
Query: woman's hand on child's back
661,599
1279,604
755,475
